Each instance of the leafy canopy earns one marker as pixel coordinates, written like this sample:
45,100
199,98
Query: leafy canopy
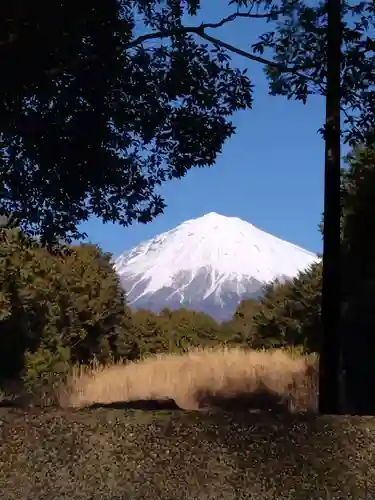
93,118
299,41
100,104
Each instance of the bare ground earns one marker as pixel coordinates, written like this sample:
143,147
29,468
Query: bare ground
108,453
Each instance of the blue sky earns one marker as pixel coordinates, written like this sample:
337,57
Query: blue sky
270,172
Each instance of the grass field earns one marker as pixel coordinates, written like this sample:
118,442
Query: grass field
222,377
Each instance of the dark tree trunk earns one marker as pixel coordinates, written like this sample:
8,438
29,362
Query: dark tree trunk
330,352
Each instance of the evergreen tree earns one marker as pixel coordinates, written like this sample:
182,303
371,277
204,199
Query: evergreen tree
56,309
97,303
240,330
188,329
290,312
173,331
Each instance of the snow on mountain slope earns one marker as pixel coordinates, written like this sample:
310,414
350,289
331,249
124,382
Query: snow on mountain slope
208,264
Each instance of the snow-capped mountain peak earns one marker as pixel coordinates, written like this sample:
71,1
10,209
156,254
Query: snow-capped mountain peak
207,264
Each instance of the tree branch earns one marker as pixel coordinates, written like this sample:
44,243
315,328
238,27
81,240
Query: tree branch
201,27
194,29
243,53
234,16
200,31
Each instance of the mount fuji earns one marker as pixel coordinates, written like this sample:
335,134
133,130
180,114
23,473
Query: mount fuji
207,264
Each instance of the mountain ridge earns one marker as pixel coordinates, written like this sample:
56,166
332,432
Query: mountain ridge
208,264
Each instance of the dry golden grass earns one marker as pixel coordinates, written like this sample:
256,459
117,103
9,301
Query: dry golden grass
201,378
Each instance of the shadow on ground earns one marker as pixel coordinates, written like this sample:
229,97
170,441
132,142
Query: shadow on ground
261,400
142,404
